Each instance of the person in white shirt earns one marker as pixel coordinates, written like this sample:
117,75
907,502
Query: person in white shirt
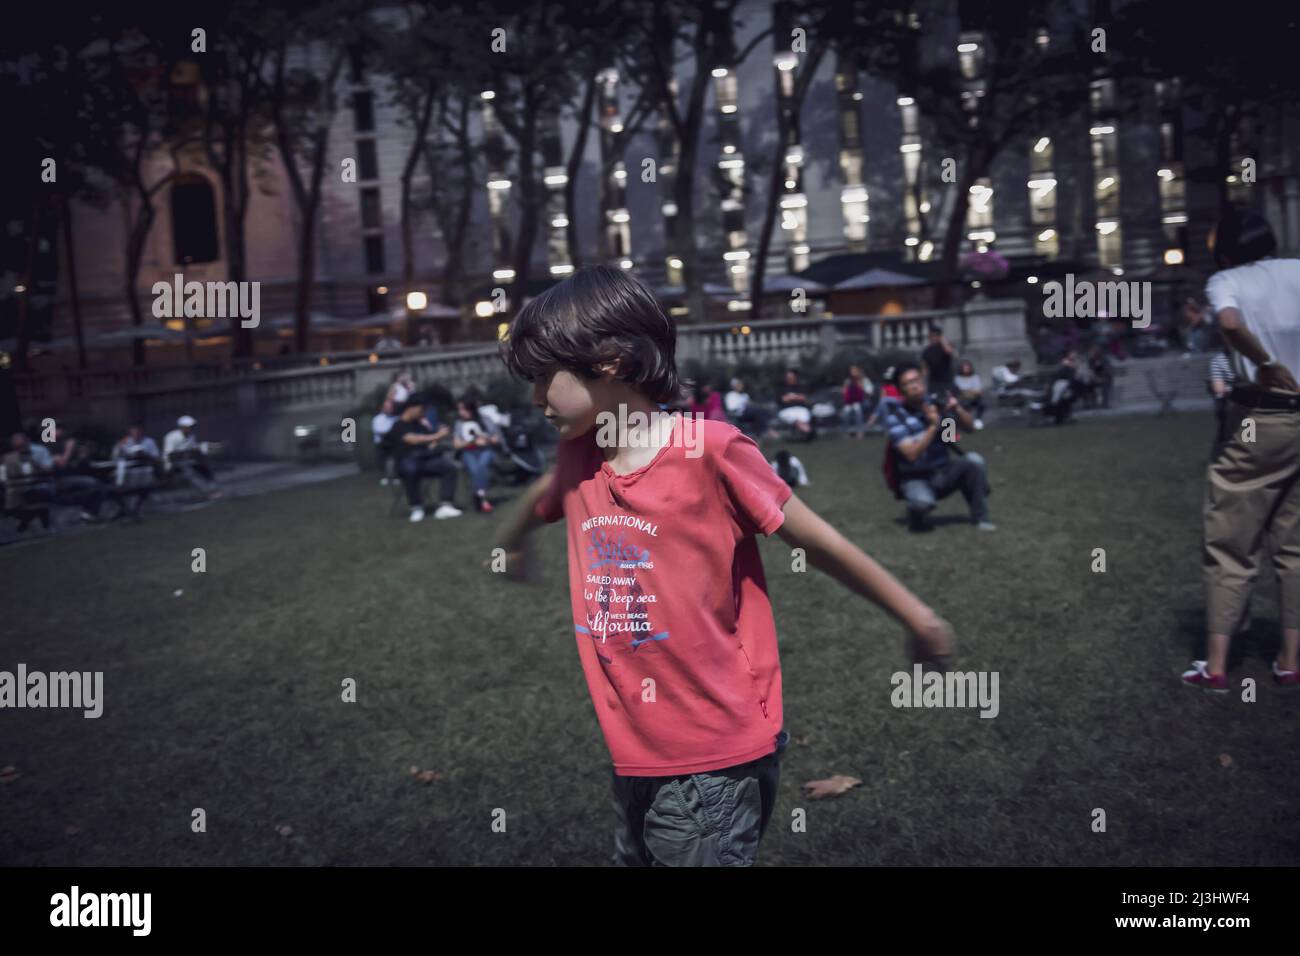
401,389
1253,484
736,401
970,390
380,426
184,454
743,413
1009,374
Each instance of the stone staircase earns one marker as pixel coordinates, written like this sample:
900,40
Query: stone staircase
1168,382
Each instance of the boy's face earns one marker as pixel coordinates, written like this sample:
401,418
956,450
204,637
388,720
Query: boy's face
572,402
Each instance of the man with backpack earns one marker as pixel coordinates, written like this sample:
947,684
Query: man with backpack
922,465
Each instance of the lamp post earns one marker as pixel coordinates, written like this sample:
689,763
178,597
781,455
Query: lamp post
416,301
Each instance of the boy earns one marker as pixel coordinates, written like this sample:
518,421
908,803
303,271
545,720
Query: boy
674,629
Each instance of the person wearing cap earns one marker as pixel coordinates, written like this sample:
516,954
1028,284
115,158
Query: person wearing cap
414,445
184,454
1252,491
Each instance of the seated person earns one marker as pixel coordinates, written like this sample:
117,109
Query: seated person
857,397
1004,376
970,390
1058,400
743,413
476,442
793,403
73,480
138,465
790,469
379,428
184,454
706,403
414,442
28,475
929,468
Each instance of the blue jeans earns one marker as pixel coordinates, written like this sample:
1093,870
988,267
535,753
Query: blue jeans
713,818
478,462
854,415
969,473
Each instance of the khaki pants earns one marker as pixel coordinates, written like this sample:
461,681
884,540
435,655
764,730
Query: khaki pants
1252,495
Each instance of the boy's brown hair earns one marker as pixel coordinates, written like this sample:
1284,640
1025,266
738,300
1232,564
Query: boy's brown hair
599,314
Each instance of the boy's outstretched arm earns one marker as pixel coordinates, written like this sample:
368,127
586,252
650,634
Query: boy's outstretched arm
829,551
522,522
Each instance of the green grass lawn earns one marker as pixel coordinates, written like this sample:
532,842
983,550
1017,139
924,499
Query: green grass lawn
227,697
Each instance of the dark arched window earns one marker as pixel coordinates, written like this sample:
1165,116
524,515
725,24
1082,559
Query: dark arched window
194,220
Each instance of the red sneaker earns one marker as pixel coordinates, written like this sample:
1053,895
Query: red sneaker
1285,678
484,505
1198,676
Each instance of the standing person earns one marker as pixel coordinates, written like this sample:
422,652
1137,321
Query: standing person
937,360
665,576
857,392
1252,489
706,403
1220,382
188,457
414,445
970,390
477,444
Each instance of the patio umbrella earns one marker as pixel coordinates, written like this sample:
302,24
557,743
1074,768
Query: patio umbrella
788,283
877,279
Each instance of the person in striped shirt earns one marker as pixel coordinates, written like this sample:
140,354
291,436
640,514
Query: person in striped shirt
1220,383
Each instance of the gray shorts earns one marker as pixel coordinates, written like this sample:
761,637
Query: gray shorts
714,818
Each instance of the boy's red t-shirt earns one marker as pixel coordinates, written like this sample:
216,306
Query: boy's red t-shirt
667,587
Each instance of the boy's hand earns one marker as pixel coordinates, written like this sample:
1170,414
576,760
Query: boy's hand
516,563
931,640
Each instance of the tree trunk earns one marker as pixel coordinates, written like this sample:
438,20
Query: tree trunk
572,169
306,276
528,188
759,272
423,115
134,255
684,225
70,248
973,168
29,270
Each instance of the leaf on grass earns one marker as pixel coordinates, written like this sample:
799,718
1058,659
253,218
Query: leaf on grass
71,829
1225,760
830,787
284,830
427,776
8,773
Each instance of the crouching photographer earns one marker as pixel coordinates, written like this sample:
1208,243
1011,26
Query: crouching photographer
925,467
